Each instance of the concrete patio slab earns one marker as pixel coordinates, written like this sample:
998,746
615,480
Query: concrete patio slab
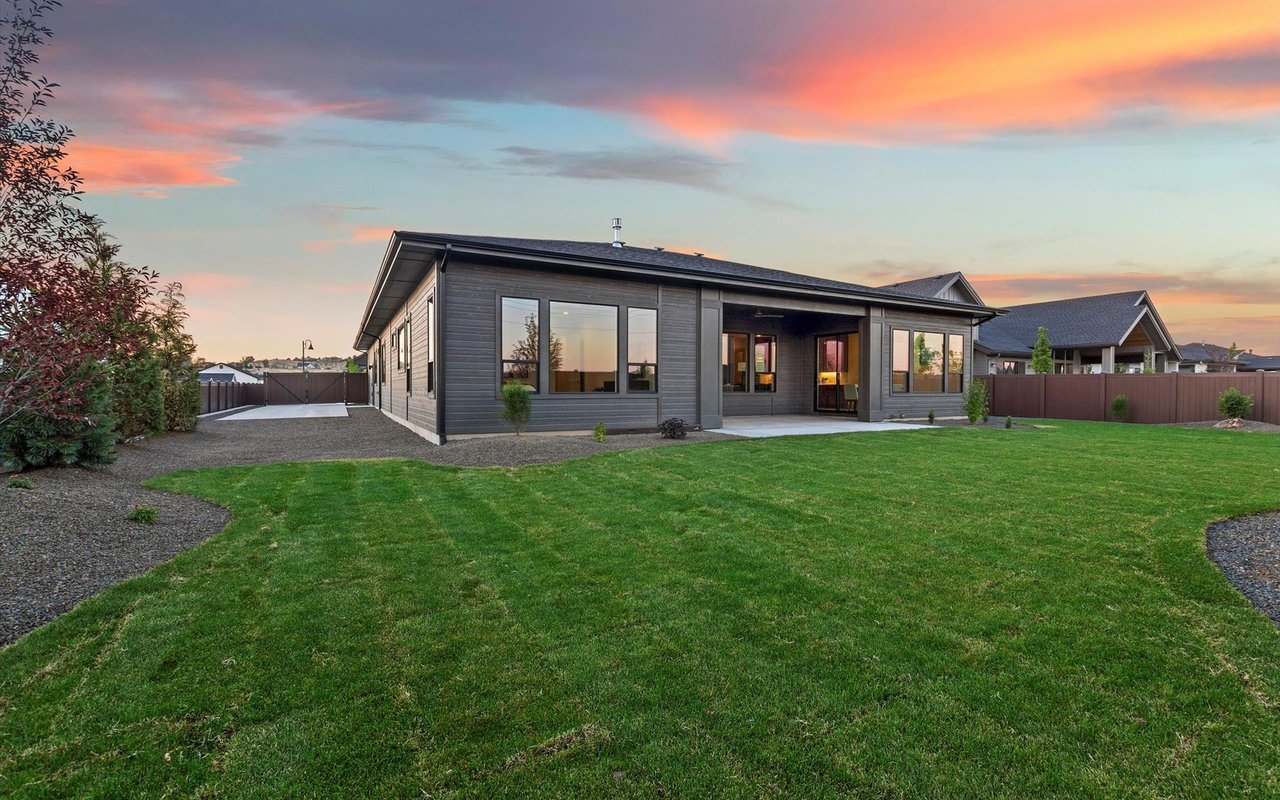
803,425
299,411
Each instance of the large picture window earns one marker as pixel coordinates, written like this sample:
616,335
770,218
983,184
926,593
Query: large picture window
520,341
928,361
763,367
583,348
642,350
734,352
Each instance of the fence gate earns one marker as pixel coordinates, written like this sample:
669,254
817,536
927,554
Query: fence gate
292,388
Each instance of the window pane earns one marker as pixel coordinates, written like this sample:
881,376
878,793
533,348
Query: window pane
642,335
642,378
734,352
584,348
525,372
955,363
766,351
927,364
519,329
901,359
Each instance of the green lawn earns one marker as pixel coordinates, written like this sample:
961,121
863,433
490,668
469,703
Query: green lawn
934,614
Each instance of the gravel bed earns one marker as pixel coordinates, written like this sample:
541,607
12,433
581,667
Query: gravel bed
69,537
1247,550
963,422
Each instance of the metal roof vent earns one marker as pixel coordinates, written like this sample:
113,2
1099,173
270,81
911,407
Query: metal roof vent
617,232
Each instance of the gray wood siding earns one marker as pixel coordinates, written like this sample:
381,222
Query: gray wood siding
417,407
472,332
919,404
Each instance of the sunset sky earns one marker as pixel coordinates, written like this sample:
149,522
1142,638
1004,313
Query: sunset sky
262,152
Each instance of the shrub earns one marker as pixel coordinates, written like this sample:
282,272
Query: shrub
1120,408
516,408
19,483
673,428
144,514
137,396
599,431
975,401
84,436
932,416
1042,353
181,404
1008,423
1235,404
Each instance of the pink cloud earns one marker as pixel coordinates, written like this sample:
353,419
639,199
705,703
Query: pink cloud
360,234
114,168
195,284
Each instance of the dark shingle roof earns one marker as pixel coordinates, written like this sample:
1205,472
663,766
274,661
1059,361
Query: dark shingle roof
1099,320
1203,351
1250,362
923,287
667,259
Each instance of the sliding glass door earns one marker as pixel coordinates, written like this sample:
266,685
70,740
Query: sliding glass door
837,373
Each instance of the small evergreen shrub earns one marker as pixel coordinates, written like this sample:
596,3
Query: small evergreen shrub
1120,408
516,408
599,431
137,396
181,404
673,428
1008,423
976,401
31,440
1235,404
144,514
932,416
16,482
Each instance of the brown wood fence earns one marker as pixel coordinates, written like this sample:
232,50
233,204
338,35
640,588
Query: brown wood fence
286,388
1161,398
219,396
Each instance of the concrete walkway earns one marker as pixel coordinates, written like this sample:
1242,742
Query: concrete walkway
804,425
299,411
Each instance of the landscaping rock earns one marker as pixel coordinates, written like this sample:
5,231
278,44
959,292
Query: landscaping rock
1247,550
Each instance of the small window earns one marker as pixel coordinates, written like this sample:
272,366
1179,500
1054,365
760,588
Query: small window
520,341
901,359
583,348
764,364
734,361
642,350
431,344
955,363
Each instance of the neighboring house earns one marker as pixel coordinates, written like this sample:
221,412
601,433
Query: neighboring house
1205,357
225,373
631,336
1102,333
1248,362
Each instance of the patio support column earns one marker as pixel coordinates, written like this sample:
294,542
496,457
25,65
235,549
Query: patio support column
871,343
1108,360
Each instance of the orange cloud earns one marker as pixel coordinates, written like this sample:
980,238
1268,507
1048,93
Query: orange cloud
360,234
112,168
964,70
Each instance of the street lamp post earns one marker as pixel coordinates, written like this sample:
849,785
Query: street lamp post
306,345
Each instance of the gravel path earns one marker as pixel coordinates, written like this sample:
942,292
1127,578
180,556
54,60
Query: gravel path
69,538
1247,550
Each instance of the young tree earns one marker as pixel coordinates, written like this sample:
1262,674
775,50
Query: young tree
1042,353
176,349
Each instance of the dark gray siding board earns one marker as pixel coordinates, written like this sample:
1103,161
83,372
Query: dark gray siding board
711,410
471,317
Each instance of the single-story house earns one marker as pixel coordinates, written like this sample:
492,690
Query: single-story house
951,286
1248,362
225,373
1101,333
1205,357
630,336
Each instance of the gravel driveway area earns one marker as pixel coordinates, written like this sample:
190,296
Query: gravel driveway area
1247,550
69,537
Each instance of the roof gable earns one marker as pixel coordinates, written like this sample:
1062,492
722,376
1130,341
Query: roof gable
950,286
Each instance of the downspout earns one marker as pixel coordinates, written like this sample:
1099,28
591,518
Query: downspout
441,345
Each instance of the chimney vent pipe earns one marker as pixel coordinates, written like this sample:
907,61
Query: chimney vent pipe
617,232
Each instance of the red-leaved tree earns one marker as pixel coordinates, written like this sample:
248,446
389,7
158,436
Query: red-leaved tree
56,316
